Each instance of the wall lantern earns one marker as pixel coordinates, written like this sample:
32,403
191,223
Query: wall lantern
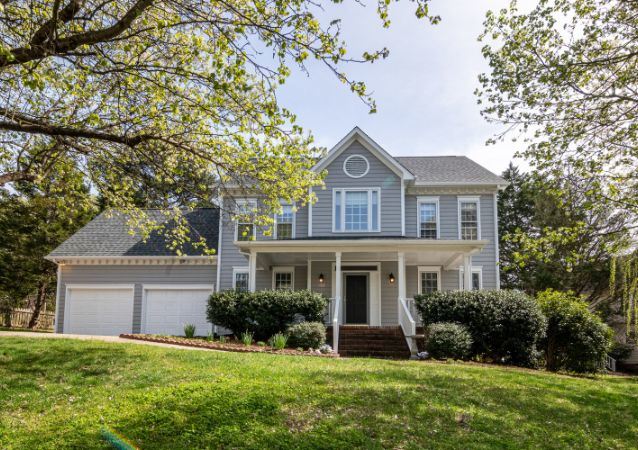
391,278
321,278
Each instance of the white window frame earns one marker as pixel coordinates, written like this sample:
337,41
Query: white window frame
474,199
419,202
244,202
475,269
284,269
294,220
429,269
343,191
237,270
345,162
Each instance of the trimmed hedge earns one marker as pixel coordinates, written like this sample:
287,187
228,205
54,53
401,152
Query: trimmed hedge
448,340
506,326
307,335
577,340
264,313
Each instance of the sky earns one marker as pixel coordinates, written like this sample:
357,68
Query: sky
424,90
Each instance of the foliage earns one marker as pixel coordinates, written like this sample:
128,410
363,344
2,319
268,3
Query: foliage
278,341
247,338
623,289
222,339
307,335
621,351
505,326
576,340
189,330
263,313
448,340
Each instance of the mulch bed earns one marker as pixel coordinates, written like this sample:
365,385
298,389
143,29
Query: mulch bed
230,346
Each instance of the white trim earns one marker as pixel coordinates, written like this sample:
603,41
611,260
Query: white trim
309,274
58,288
496,245
345,162
243,202
357,134
343,192
402,208
499,186
134,260
475,269
294,220
469,199
429,269
284,269
372,316
242,269
104,286
219,247
420,200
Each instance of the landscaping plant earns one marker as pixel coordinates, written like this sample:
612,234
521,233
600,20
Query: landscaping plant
577,340
189,330
264,313
307,335
506,326
247,338
278,341
448,340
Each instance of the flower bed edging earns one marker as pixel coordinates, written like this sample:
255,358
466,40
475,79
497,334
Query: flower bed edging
227,347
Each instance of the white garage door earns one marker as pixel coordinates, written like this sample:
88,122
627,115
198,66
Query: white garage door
166,311
102,312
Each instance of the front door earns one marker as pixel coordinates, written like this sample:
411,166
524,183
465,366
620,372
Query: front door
356,296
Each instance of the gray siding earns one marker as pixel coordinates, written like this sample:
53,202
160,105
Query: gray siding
135,274
379,176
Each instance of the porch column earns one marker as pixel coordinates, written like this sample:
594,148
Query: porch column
401,262
467,273
309,276
337,275
252,271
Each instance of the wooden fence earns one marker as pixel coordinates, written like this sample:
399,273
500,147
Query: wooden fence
20,319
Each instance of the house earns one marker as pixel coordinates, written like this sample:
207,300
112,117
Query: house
383,229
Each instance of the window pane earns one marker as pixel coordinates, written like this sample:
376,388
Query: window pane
283,280
476,285
375,210
469,220
427,220
429,282
244,231
356,211
337,210
284,223
241,281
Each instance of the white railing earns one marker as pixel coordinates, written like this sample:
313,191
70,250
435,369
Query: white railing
413,311
327,319
336,306
407,324
610,363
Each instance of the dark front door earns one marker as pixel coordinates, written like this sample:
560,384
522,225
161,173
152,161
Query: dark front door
356,299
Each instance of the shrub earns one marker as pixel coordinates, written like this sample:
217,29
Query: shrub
222,339
264,313
505,326
279,341
261,344
189,330
448,340
577,340
247,338
307,335
621,351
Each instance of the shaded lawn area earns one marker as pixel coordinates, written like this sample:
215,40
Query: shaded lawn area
59,393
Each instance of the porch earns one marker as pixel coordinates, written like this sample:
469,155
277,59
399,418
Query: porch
370,282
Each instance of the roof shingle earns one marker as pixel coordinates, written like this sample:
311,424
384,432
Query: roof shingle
448,170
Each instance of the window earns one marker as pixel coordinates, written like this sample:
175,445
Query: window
356,210
240,279
429,279
283,278
469,213
477,279
285,223
428,217
245,231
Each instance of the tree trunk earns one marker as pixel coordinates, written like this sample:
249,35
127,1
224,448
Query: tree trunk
40,300
7,318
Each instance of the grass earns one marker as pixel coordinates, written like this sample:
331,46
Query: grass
60,393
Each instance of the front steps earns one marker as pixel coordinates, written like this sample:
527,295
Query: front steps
375,342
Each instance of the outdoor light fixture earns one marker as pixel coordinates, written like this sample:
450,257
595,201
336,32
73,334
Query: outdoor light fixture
391,278
321,279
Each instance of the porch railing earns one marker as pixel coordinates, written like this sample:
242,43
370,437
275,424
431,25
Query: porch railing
407,324
336,307
413,311
610,363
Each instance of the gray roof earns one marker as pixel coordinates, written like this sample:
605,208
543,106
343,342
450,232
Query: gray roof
448,170
109,235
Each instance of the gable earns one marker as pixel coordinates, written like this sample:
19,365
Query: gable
356,166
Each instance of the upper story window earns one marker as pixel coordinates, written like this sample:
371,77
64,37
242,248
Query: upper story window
469,214
477,278
245,231
285,223
356,210
356,166
428,217
429,279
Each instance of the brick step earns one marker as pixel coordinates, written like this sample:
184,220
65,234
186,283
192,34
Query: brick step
373,337
375,354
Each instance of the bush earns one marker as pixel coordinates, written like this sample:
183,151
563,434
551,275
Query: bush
189,330
278,341
307,335
264,313
247,338
577,340
448,340
505,326
621,351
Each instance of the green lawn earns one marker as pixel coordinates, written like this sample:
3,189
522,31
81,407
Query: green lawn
59,393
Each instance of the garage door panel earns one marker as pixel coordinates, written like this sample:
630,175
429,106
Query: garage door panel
168,310
99,311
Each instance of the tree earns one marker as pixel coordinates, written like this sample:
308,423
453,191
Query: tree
172,86
34,219
564,76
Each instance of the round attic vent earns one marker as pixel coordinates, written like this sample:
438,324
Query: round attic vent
356,166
